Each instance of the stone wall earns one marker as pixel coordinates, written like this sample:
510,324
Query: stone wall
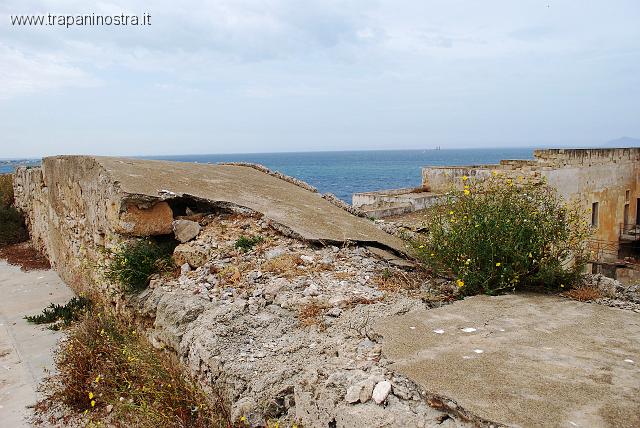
74,212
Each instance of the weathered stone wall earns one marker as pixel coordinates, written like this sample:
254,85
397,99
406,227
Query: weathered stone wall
74,212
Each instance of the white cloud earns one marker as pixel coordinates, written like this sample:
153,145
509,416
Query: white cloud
27,74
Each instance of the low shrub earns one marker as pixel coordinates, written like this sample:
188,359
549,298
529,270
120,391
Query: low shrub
501,234
111,375
61,315
245,243
133,264
12,228
6,190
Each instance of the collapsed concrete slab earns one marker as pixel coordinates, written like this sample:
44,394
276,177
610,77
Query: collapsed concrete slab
305,213
524,360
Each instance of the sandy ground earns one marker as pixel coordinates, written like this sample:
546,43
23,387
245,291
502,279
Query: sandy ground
26,350
524,360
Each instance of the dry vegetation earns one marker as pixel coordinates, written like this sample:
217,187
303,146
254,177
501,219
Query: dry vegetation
25,256
311,314
584,293
110,374
285,265
396,280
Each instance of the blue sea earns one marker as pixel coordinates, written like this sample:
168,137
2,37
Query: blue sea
346,172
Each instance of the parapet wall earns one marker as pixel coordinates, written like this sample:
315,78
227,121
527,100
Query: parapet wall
586,157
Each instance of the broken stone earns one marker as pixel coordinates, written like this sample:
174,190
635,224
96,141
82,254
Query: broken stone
274,287
185,230
156,220
274,252
334,312
196,256
311,290
381,391
306,259
185,268
366,390
353,394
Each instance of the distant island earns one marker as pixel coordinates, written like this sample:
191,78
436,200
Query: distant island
623,142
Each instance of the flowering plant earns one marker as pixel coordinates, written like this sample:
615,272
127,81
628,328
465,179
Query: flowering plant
504,233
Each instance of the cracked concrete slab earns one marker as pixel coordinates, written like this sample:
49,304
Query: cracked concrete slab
524,360
304,212
26,350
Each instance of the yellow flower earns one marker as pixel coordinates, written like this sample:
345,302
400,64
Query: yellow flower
450,212
465,178
494,172
432,254
90,395
98,378
243,419
466,192
498,264
421,246
562,285
467,262
93,403
460,283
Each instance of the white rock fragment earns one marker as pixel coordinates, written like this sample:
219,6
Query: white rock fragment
274,252
412,328
438,331
478,351
469,329
381,391
185,268
306,259
353,394
629,361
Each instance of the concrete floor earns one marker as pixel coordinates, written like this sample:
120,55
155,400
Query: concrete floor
524,360
25,349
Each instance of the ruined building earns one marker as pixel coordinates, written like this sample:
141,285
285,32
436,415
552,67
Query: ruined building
603,181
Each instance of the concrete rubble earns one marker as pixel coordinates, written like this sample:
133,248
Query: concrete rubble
284,329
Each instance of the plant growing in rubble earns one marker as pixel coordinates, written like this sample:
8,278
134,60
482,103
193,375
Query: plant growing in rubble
244,243
501,234
132,265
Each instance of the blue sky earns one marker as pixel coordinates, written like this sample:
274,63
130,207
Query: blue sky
235,76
